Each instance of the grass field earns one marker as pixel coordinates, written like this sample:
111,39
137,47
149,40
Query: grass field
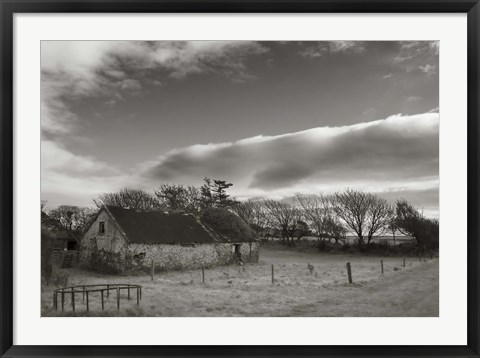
248,290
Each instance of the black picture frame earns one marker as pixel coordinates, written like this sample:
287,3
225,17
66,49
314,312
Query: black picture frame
10,7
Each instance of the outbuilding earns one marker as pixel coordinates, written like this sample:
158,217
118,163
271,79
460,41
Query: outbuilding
125,240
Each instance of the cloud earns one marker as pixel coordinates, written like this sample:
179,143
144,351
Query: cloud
387,76
395,157
411,49
69,178
412,55
370,113
111,71
114,69
66,176
428,69
424,197
56,158
396,151
323,48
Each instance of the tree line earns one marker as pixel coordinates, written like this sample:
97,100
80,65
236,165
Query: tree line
331,217
327,217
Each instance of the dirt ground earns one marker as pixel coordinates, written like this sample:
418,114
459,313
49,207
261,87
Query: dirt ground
297,291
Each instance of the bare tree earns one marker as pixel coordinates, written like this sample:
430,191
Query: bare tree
364,213
379,216
393,227
317,210
352,207
129,198
192,199
301,229
246,210
284,216
254,213
74,219
334,229
178,198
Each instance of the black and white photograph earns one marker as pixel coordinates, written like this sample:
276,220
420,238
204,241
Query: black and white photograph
240,178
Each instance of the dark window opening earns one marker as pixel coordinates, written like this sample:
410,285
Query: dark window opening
101,227
71,245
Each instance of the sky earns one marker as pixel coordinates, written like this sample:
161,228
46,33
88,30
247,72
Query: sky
276,119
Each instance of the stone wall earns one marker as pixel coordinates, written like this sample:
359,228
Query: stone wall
104,252
181,257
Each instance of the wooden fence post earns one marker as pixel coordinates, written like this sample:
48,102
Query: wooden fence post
87,303
103,304
153,270
108,291
273,276
63,298
381,265
128,290
349,272
55,300
404,262
83,294
118,298
73,300
203,275
138,296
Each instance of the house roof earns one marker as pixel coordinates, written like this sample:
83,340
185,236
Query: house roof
154,227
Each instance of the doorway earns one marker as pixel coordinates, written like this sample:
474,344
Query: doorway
236,252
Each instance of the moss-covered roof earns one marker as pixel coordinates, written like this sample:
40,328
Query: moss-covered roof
153,227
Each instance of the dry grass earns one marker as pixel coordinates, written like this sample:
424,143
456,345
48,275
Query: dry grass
248,290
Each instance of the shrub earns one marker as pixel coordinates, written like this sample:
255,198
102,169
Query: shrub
60,278
323,246
381,249
47,243
412,222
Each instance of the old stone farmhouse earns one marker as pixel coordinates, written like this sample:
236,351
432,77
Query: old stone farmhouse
123,240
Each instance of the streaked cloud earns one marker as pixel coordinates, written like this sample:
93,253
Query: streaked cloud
399,150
